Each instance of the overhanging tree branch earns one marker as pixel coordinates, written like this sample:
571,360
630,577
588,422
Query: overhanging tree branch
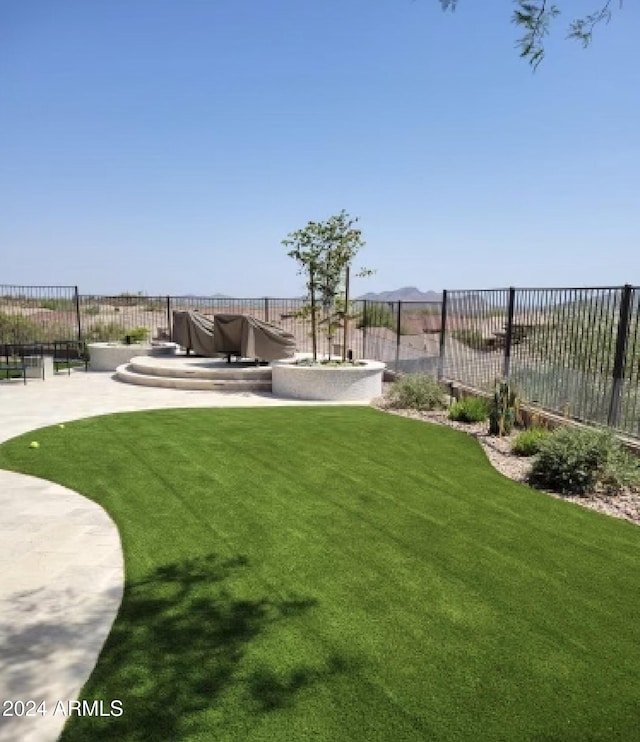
582,28
534,17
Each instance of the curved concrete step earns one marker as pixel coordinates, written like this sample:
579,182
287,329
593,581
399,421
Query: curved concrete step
130,376
198,368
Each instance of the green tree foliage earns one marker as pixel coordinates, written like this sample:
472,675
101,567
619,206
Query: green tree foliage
325,251
534,19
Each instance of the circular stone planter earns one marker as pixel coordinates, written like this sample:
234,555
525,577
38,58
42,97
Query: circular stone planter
108,356
359,383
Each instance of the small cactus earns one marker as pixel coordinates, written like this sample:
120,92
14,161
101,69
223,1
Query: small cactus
504,409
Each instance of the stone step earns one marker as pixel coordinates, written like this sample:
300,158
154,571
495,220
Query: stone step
198,369
129,375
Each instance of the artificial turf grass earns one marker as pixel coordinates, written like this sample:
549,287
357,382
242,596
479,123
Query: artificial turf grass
339,573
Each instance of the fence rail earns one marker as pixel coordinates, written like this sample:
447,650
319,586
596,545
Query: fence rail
575,351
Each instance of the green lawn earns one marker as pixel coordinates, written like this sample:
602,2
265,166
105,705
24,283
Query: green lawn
343,574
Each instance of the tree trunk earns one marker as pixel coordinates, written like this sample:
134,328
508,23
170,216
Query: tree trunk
314,331
345,319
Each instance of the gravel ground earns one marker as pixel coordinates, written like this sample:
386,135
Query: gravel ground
625,505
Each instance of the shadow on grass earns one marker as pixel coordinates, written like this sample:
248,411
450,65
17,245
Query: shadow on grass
177,645
271,690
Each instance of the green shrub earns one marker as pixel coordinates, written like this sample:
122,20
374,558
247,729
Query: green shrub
469,410
417,392
60,305
528,442
137,334
378,315
15,328
104,332
578,461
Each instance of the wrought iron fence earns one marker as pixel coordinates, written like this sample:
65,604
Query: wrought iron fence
403,334
571,351
43,314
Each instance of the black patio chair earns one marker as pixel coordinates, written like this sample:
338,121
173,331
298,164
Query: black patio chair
12,363
69,353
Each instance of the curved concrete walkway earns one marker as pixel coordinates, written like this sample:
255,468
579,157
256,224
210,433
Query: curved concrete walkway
61,568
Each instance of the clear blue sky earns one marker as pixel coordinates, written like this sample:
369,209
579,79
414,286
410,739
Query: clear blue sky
168,146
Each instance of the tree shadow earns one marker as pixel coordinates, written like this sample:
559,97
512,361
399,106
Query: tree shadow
52,627
177,645
270,690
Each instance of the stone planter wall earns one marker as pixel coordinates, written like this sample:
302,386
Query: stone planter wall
360,383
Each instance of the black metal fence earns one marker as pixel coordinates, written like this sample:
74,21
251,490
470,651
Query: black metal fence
38,314
399,333
571,351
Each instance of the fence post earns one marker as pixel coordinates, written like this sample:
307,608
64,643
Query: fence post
77,298
364,328
443,333
620,355
398,328
266,309
169,327
509,334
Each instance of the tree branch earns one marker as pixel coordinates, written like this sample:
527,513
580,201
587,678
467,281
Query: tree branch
535,16
582,28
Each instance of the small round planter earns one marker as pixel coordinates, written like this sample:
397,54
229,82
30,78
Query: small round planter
361,382
108,356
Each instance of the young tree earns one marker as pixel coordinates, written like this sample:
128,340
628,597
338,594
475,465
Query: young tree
325,251
534,18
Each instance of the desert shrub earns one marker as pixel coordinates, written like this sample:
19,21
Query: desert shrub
577,461
527,443
137,334
469,410
15,328
154,306
60,305
378,315
104,332
417,392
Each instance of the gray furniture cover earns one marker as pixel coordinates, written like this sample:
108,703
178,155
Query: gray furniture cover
193,331
231,334
247,337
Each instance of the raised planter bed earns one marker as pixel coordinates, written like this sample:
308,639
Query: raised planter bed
108,356
360,382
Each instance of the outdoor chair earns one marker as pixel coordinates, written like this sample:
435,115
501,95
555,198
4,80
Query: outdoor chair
68,353
12,363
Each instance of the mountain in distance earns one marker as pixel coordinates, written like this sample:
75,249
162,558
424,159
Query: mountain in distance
407,293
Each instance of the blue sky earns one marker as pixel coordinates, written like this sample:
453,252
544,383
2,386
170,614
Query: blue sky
168,146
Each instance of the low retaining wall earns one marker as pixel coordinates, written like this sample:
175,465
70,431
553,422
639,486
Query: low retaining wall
108,356
359,383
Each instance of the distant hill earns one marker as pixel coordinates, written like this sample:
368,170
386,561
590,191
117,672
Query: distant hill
407,293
